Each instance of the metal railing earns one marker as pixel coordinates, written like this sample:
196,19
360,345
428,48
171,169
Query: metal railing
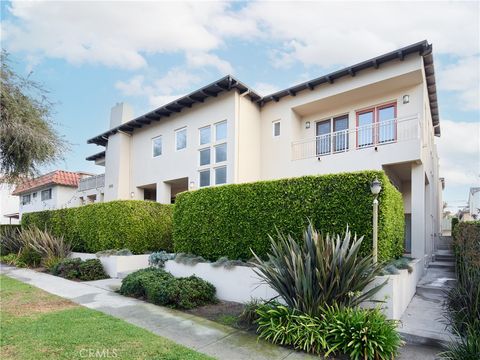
376,134
92,182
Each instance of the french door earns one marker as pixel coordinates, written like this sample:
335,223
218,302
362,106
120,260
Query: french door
377,125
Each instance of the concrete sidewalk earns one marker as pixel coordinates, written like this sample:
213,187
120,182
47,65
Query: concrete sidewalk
208,337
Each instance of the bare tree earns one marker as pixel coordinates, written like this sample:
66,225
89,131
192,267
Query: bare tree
28,139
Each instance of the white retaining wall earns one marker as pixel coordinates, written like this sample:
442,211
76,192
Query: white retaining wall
116,264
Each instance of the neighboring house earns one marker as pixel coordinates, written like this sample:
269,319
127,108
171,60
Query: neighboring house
474,203
55,190
8,205
378,114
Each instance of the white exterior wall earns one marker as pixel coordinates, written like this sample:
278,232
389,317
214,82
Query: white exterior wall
62,197
8,204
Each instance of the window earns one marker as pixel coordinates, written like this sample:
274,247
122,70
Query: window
323,137
221,131
181,139
221,175
205,178
340,133
26,199
46,194
377,125
157,146
205,157
221,153
332,135
276,128
34,195
205,134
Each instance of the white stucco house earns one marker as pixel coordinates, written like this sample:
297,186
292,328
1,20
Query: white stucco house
474,203
55,190
8,205
379,114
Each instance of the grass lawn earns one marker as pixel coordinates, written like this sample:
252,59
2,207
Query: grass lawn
37,325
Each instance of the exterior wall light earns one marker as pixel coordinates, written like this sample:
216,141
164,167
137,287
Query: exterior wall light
307,125
191,185
406,99
132,194
375,188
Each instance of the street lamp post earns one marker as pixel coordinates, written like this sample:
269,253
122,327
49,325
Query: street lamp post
375,188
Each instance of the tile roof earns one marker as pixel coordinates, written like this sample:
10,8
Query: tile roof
57,177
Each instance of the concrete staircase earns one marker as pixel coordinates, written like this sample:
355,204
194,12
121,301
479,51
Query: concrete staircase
423,321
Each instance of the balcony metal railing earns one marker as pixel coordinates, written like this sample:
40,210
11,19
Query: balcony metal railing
92,182
376,134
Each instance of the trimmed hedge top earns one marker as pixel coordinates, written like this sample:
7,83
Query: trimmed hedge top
230,220
140,226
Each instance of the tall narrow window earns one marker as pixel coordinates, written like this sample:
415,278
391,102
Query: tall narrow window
340,133
221,175
221,131
157,146
276,128
204,157
181,139
386,123
26,199
205,178
365,122
205,134
323,137
221,153
46,194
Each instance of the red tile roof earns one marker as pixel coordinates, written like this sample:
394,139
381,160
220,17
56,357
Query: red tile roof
57,177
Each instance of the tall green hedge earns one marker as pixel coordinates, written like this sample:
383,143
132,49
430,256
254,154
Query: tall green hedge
140,226
229,220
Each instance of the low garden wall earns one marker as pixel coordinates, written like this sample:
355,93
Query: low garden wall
116,265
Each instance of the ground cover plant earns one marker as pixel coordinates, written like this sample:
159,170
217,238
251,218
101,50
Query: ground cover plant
162,288
232,219
37,325
77,269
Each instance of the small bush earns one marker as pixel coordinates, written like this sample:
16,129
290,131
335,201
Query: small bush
158,259
44,243
141,226
91,269
51,262
73,269
10,259
162,288
358,333
28,257
68,268
249,314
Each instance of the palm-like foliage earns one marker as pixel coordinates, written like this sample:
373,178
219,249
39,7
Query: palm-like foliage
44,243
319,271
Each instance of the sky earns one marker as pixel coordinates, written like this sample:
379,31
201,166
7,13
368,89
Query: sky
91,55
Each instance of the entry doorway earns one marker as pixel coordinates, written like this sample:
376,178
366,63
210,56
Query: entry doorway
176,187
408,234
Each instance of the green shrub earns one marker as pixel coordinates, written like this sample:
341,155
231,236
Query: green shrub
318,271
91,269
232,219
158,259
44,243
466,348
28,257
359,333
9,239
455,222
10,259
140,226
68,268
162,288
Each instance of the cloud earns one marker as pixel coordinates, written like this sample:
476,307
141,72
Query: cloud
459,151
463,77
263,88
159,91
200,60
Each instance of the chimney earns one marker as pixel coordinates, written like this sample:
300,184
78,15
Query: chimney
120,113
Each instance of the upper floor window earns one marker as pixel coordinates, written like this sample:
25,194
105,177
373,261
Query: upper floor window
332,135
221,131
181,139
157,146
204,157
205,135
26,199
221,153
46,194
276,128
376,125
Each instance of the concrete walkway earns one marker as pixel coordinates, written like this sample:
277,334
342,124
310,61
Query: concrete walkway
208,337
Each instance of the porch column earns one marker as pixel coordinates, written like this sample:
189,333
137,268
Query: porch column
164,193
418,211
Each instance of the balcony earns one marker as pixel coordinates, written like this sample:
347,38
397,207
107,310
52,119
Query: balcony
371,135
92,182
